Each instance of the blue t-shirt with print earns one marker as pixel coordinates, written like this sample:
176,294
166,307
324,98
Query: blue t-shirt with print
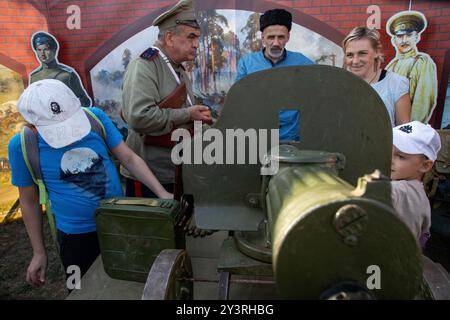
76,177
257,61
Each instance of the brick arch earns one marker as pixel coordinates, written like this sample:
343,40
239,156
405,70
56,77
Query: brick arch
15,66
144,22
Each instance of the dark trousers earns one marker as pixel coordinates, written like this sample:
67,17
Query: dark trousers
134,188
78,249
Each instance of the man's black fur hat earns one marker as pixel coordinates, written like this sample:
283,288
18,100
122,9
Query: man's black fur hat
275,17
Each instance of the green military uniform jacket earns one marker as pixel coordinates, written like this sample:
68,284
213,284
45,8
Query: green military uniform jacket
420,70
65,74
147,82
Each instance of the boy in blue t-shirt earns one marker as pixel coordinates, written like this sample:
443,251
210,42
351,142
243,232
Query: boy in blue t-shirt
77,172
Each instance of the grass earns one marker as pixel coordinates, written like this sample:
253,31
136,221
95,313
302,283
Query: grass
15,255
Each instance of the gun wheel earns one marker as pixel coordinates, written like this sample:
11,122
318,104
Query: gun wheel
170,277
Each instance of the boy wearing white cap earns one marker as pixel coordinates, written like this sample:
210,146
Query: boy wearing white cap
415,148
77,172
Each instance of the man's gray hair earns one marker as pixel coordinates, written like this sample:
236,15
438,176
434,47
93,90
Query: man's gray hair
174,30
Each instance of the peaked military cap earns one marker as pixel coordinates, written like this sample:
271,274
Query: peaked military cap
275,17
181,14
44,38
406,22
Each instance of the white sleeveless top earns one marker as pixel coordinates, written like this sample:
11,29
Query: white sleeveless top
391,88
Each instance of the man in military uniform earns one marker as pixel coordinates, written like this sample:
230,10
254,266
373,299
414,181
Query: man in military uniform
46,47
149,80
405,29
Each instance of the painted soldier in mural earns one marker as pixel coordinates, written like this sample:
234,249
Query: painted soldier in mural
405,29
157,95
275,26
46,48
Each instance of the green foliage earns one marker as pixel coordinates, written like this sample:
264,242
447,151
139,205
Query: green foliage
252,42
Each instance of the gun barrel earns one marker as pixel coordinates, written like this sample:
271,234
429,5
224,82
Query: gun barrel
325,233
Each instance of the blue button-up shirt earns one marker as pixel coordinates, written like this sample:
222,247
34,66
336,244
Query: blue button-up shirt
257,61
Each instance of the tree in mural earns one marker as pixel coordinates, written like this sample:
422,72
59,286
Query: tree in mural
252,41
232,53
211,59
126,58
114,77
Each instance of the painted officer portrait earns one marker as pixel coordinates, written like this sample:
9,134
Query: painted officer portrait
405,29
46,48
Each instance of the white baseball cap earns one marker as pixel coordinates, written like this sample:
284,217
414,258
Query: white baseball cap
55,111
417,138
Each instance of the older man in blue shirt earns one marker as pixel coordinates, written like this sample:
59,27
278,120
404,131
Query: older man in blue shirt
275,26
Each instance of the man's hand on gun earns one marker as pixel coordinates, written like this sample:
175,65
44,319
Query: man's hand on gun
200,113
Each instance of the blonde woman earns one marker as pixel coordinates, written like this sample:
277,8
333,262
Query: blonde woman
363,57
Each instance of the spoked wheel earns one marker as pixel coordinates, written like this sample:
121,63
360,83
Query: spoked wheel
169,276
436,281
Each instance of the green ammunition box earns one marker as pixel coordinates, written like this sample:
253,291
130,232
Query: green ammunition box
132,232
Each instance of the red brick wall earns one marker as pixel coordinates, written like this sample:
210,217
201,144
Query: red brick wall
18,21
101,19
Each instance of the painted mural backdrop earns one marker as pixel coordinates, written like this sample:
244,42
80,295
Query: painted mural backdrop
11,87
107,75
226,36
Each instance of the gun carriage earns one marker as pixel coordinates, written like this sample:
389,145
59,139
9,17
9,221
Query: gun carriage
318,225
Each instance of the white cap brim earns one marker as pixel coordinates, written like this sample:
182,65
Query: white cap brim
66,132
403,142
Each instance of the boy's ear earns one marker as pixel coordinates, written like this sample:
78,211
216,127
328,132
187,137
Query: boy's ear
427,165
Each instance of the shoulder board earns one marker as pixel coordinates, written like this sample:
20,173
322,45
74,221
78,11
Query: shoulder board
150,54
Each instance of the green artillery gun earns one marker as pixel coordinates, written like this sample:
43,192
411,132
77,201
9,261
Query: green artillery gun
322,226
